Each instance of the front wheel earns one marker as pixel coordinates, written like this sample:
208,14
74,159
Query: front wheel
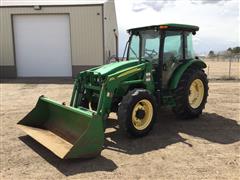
191,94
137,112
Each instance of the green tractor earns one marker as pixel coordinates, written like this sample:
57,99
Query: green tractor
160,70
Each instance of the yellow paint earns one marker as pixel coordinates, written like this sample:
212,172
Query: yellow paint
196,94
146,106
111,79
129,72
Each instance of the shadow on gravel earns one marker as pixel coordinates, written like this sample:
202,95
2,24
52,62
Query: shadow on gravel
57,80
211,127
70,167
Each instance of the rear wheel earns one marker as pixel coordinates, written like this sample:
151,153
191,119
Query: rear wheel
137,112
191,94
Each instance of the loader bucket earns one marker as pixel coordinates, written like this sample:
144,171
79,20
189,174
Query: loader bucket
66,131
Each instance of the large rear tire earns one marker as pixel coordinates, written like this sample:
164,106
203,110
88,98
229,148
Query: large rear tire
191,94
137,112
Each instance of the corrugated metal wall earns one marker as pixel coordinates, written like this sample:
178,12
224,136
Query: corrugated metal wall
85,25
110,23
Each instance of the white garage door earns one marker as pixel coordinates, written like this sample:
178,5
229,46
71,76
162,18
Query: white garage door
42,45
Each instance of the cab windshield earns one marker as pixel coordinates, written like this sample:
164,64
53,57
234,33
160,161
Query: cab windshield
150,46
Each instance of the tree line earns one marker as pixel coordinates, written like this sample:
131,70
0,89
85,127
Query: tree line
229,52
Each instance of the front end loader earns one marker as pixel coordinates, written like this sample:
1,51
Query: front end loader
160,70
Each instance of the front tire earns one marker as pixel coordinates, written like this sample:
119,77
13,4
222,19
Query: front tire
191,94
137,112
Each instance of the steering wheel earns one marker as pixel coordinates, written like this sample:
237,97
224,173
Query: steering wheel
150,53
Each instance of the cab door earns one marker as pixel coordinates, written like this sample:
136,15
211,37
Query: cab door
172,53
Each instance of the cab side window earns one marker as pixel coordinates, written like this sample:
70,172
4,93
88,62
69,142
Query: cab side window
189,46
173,46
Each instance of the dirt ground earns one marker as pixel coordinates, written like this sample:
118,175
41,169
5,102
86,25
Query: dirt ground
206,148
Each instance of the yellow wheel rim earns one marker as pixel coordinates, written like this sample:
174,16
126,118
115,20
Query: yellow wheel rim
145,106
196,93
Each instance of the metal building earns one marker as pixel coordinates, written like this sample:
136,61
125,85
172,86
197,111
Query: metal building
55,40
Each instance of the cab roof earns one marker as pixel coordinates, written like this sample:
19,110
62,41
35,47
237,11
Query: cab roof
168,26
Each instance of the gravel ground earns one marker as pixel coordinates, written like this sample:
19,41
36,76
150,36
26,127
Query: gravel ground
206,148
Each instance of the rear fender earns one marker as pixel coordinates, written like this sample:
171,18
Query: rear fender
176,76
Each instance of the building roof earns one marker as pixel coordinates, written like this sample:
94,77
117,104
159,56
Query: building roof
49,2
168,26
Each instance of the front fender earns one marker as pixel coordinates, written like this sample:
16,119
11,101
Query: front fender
177,74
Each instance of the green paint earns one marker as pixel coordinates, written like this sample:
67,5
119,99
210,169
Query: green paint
184,26
173,26
114,67
176,76
104,86
80,127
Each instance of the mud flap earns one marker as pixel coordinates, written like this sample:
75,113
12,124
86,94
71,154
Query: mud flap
66,131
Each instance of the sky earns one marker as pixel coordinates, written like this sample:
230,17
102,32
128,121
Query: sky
219,20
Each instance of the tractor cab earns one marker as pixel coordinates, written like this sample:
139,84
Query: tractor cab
166,46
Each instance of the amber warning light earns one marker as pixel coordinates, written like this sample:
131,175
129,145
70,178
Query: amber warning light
163,27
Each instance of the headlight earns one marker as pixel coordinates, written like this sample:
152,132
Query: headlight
98,79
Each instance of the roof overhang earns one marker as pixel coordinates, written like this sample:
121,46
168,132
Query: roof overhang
170,26
19,3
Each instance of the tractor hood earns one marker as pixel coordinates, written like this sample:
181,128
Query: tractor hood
113,67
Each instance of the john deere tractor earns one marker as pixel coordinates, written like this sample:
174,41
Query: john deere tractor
160,70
